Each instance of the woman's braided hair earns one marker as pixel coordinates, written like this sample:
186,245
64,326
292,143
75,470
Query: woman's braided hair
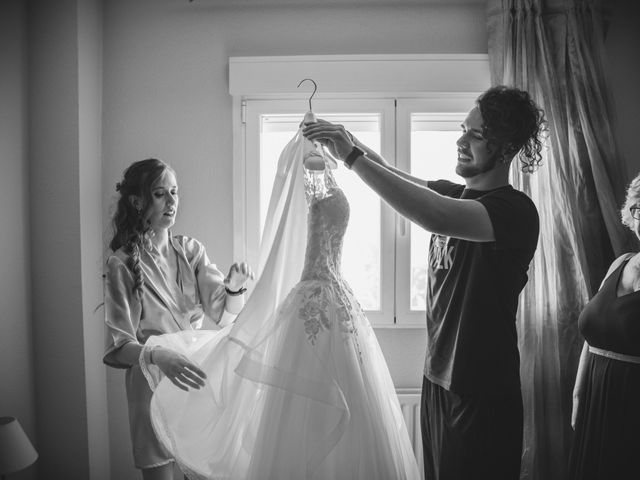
513,121
131,224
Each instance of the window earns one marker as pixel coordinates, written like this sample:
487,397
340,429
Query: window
269,127
433,156
384,256
361,259
427,149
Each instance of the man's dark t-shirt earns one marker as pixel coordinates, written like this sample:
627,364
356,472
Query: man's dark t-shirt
472,295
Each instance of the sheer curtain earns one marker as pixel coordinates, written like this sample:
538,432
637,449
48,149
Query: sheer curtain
553,49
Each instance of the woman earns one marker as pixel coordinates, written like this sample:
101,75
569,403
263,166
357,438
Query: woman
605,416
158,283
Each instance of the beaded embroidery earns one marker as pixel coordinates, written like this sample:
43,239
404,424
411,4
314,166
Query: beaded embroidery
329,301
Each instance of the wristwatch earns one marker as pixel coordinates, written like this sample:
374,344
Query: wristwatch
353,155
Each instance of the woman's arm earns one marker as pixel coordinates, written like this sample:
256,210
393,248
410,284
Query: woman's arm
123,310
129,353
238,275
218,294
122,313
578,387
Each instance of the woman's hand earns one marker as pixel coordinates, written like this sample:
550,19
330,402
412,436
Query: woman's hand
178,368
579,386
239,273
337,140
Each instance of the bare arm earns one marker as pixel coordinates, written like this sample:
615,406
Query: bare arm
122,316
183,373
465,219
578,387
239,273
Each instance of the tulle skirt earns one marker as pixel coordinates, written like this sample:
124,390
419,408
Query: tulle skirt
311,398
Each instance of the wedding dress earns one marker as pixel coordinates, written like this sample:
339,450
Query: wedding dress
297,388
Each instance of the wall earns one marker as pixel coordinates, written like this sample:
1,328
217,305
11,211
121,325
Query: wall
16,363
66,229
90,199
166,95
623,72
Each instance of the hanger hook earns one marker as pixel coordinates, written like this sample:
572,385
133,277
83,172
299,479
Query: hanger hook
315,87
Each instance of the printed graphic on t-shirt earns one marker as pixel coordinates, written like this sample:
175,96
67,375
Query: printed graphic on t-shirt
441,254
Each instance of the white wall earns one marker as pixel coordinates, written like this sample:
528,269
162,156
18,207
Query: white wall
66,229
91,251
166,95
16,364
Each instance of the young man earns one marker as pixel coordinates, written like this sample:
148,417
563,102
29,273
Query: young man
484,236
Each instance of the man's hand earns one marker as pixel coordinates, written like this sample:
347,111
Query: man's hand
333,136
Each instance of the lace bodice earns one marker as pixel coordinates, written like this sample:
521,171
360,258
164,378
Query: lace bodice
327,223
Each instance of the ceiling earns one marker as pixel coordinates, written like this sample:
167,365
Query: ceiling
316,3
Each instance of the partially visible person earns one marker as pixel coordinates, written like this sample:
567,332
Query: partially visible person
606,395
156,283
484,234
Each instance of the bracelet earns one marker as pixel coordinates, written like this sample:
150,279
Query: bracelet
155,347
236,293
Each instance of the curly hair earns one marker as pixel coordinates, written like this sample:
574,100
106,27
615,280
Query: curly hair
513,122
131,224
632,199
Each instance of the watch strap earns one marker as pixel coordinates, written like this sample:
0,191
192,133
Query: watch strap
353,155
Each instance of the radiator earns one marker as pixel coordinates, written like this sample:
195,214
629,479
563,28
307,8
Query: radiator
410,404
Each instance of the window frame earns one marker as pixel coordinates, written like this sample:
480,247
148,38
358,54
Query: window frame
440,111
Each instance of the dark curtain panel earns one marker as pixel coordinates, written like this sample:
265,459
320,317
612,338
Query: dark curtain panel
553,49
